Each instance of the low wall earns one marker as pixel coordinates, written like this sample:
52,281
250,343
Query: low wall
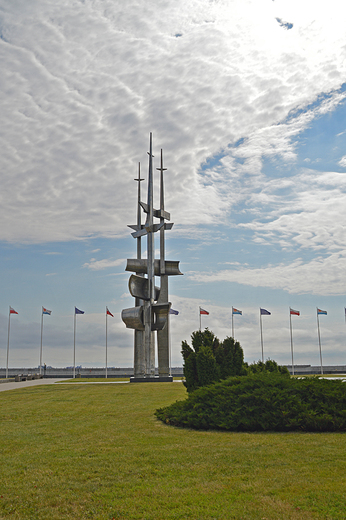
52,372
112,372
301,370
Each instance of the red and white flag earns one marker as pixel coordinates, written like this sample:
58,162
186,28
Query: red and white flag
109,313
202,311
294,313
12,311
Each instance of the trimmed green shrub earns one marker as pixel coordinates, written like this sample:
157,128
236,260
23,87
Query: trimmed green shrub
262,402
207,370
190,367
269,366
209,360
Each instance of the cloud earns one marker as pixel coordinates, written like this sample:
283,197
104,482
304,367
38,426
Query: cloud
99,265
228,95
58,338
79,100
320,276
310,215
276,331
342,161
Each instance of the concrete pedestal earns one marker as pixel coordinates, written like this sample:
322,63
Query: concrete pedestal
156,379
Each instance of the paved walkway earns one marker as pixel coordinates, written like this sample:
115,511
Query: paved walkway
35,382
23,384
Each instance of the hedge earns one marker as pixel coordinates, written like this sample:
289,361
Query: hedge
262,402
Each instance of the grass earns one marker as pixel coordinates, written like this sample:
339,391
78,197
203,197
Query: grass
98,452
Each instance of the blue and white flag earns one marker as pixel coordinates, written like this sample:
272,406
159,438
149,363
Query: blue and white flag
77,311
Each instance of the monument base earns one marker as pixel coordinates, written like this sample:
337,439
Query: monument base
156,379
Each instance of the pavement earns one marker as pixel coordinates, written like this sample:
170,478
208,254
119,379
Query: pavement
35,382
24,384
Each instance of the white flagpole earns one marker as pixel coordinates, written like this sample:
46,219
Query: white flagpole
169,346
291,342
74,345
41,340
106,339
232,324
261,336
319,341
8,341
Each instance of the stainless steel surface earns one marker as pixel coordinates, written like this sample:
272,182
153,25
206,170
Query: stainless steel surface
148,318
133,318
138,287
140,266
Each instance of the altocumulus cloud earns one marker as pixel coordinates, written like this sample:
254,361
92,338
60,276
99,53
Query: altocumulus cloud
320,276
98,265
83,83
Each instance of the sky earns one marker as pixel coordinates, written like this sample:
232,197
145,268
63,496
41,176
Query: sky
247,100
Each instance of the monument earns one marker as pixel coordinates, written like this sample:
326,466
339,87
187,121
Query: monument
150,314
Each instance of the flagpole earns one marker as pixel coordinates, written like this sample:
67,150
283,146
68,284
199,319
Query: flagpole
169,346
319,341
261,336
8,340
232,324
74,345
200,320
106,340
291,342
41,339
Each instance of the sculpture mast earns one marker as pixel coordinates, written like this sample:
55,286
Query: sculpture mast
162,220
163,335
139,215
149,338
151,311
139,357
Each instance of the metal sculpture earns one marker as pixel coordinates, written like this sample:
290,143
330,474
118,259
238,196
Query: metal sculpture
151,311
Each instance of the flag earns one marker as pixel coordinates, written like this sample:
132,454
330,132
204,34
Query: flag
77,311
172,311
109,313
319,311
46,311
202,311
235,311
12,311
294,313
264,312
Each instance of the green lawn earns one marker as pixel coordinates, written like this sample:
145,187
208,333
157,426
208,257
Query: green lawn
98,452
